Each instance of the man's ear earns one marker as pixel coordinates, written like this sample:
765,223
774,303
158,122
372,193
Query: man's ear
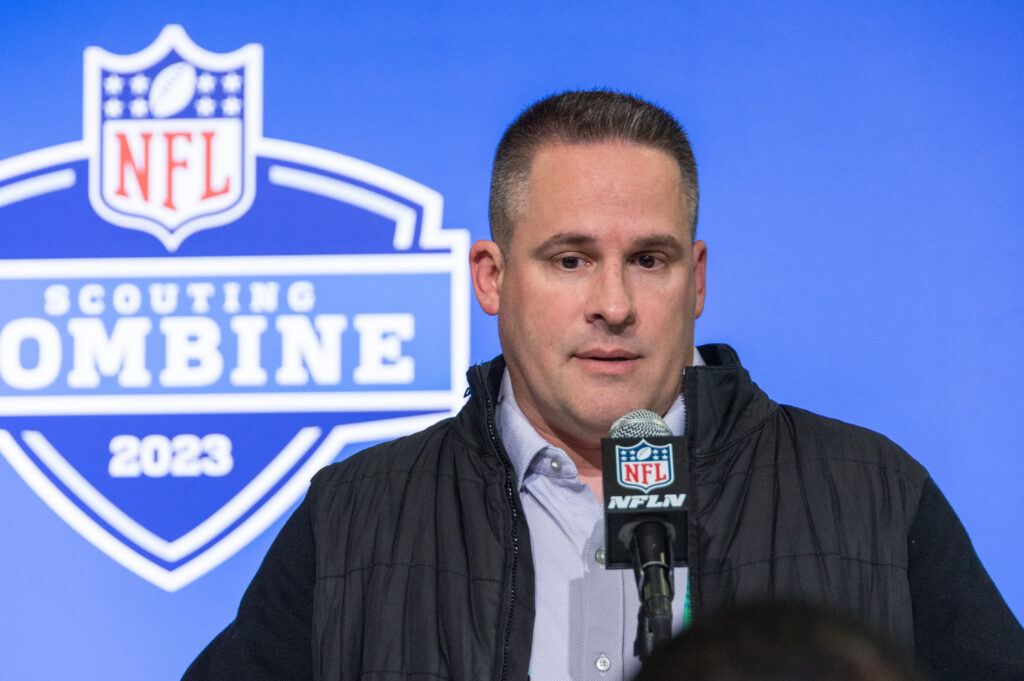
700,276
486,267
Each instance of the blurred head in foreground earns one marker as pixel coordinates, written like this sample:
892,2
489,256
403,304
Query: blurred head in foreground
778,641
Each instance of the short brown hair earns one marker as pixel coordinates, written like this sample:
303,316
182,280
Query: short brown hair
582,117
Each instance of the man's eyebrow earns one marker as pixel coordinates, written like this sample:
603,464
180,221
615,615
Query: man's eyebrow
656,241
563,239
665,242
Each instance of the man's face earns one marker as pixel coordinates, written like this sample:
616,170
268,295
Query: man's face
597,298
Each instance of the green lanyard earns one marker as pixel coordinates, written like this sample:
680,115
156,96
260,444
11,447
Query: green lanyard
686,606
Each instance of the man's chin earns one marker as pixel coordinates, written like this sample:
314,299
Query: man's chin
601,420
600,417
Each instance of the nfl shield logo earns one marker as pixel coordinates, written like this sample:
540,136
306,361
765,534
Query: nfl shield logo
644,466
170,133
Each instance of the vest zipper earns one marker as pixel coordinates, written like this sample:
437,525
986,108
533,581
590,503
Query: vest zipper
510,495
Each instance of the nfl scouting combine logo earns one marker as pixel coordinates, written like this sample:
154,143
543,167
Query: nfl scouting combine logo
644,466
195,318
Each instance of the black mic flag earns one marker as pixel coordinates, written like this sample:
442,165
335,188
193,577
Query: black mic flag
644,475
645,478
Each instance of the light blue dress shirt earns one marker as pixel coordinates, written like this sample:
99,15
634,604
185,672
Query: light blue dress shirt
586,615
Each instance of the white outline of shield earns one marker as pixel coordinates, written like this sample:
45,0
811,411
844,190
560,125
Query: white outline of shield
173,37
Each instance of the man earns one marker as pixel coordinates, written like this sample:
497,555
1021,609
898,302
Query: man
473,550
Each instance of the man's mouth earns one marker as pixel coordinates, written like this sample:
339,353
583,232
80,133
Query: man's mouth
607,355
608,362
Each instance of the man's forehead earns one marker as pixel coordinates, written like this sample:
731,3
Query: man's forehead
577,185
590,158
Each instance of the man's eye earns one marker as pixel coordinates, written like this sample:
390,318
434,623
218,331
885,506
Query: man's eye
570,262
647,261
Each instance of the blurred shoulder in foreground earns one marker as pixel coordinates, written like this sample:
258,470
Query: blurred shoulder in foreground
778,641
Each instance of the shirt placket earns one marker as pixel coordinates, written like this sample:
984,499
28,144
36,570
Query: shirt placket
596,595
601,612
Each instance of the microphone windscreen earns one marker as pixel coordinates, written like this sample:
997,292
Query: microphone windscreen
639,424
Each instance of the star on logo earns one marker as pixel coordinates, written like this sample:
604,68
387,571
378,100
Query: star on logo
206,84
205,106
139,107
139,83
231,106
113,107
113,85
232,83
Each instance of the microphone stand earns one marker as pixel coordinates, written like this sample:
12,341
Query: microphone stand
650,547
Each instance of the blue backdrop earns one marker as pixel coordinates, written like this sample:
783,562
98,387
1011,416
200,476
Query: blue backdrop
860,173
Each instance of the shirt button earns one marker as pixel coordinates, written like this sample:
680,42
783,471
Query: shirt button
556,465
599,555
603,664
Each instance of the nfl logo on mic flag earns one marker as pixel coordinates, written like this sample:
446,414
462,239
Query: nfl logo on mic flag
197,318
644,466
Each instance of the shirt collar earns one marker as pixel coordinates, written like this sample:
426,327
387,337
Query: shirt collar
522,441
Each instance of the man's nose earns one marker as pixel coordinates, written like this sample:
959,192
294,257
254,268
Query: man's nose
610,299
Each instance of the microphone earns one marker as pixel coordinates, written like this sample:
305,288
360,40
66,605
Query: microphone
646,531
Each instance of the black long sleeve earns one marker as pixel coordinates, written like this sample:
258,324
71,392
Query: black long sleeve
963,628
271,635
